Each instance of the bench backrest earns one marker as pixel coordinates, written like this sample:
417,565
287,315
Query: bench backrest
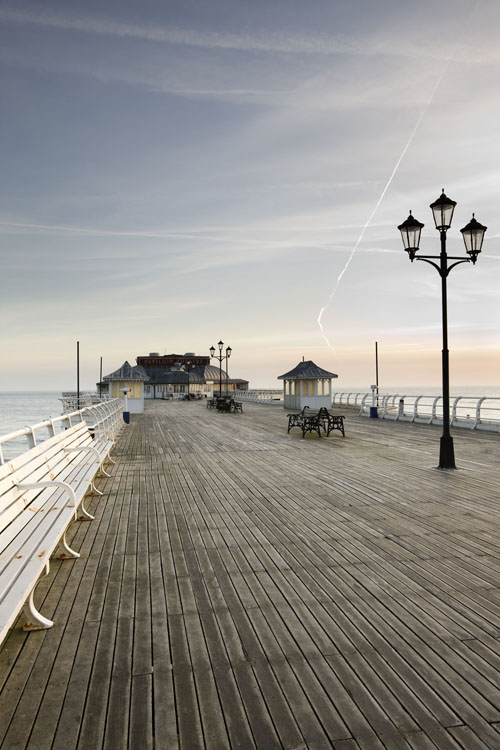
47,461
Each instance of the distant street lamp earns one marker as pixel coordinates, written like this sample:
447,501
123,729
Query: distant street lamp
228,354
188,369
221,357
473,235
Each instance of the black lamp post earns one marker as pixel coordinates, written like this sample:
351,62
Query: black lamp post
228,354
188,369
473,235
220,357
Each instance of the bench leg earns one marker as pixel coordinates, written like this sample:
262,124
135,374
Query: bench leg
83,514
103,471
34,620
94,489
66,552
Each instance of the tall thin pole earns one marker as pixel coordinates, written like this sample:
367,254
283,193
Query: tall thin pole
446,452
78,374
376,367
100,379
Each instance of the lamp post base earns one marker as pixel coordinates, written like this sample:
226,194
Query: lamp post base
446,453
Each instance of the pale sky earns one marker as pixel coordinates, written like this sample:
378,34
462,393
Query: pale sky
175,173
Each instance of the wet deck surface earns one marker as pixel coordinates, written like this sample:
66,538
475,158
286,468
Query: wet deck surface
241,587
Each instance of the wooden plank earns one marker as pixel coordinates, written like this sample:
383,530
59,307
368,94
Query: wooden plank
241,587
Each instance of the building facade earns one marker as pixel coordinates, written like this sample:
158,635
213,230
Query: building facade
127,379
180,375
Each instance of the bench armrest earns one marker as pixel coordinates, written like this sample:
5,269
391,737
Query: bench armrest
87,448
52,483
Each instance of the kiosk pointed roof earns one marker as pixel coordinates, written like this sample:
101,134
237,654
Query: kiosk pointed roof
306,371
127,372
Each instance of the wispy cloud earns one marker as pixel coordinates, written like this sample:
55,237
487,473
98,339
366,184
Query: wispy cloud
269,41
12,226
275,42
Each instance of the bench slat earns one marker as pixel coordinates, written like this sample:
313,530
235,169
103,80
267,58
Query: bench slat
53,460
46,448
59,467
22,535
34,519
45,501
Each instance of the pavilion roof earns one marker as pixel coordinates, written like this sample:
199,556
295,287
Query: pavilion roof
306,371
127,372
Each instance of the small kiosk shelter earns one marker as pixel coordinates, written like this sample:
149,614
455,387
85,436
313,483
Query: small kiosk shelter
126,377
307,385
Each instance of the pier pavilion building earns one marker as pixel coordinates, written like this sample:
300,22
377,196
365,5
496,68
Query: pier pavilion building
126,378
176,375
307,385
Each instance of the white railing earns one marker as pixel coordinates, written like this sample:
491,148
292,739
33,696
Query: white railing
472,412
72,402
267,396
104,421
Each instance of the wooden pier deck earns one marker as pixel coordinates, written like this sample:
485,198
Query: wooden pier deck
241,587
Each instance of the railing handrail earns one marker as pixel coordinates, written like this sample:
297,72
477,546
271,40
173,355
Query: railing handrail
103,419
260,396
428,408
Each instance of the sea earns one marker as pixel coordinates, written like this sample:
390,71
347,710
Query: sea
21,408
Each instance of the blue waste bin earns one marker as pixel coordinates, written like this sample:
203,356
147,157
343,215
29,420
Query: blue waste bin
126,417
374,412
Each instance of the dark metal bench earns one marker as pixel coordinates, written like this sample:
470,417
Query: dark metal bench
296,420
315,420
228,404
223,404
335,422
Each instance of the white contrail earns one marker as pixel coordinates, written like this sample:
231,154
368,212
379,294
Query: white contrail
384,191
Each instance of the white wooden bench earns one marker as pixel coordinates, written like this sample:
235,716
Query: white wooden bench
41,493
